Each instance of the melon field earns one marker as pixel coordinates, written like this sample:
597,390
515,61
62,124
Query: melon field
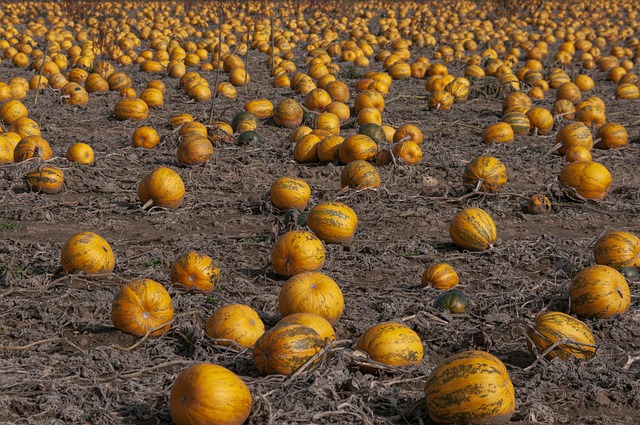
422,131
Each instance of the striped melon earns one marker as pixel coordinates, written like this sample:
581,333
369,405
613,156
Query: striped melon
284,349
618,249
574,134
440,275
45,179
32,147
393,344
313,321
359,175
333,222
473,229
599,291
519,122
472,387
486,173
500,132
453,301
517,99
553,326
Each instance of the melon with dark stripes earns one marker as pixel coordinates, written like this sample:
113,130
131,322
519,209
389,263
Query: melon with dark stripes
393,344
519,122
618,249
473,229
333,222
553,326
486,174
45,179
472,387
599,291
284,349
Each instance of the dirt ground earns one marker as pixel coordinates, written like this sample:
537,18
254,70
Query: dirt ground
63,362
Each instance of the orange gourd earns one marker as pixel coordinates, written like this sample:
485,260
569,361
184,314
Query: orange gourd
569,91
287,193
368,99
441,276
95,83
328,147
519,99
193,127
572,135
261,108
359,175
32,147
519,123
195,270
288,113
408,152
152,97
305,150
473,229
393,344
180,119
590,180
312,292
408,132
131,109
500,132
591,115
618,249
563,109
163,187
145,137
486,174
627,91
357,147
87,252
284,349
541,120
195,150
235,322
80,153
45,179
25,127
12,110
142,306
440,100
297,251
338,91
578,154
471,387
553,327
74,94
612,135
209,394
333,222
317,100
599,291
369,115
313,321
